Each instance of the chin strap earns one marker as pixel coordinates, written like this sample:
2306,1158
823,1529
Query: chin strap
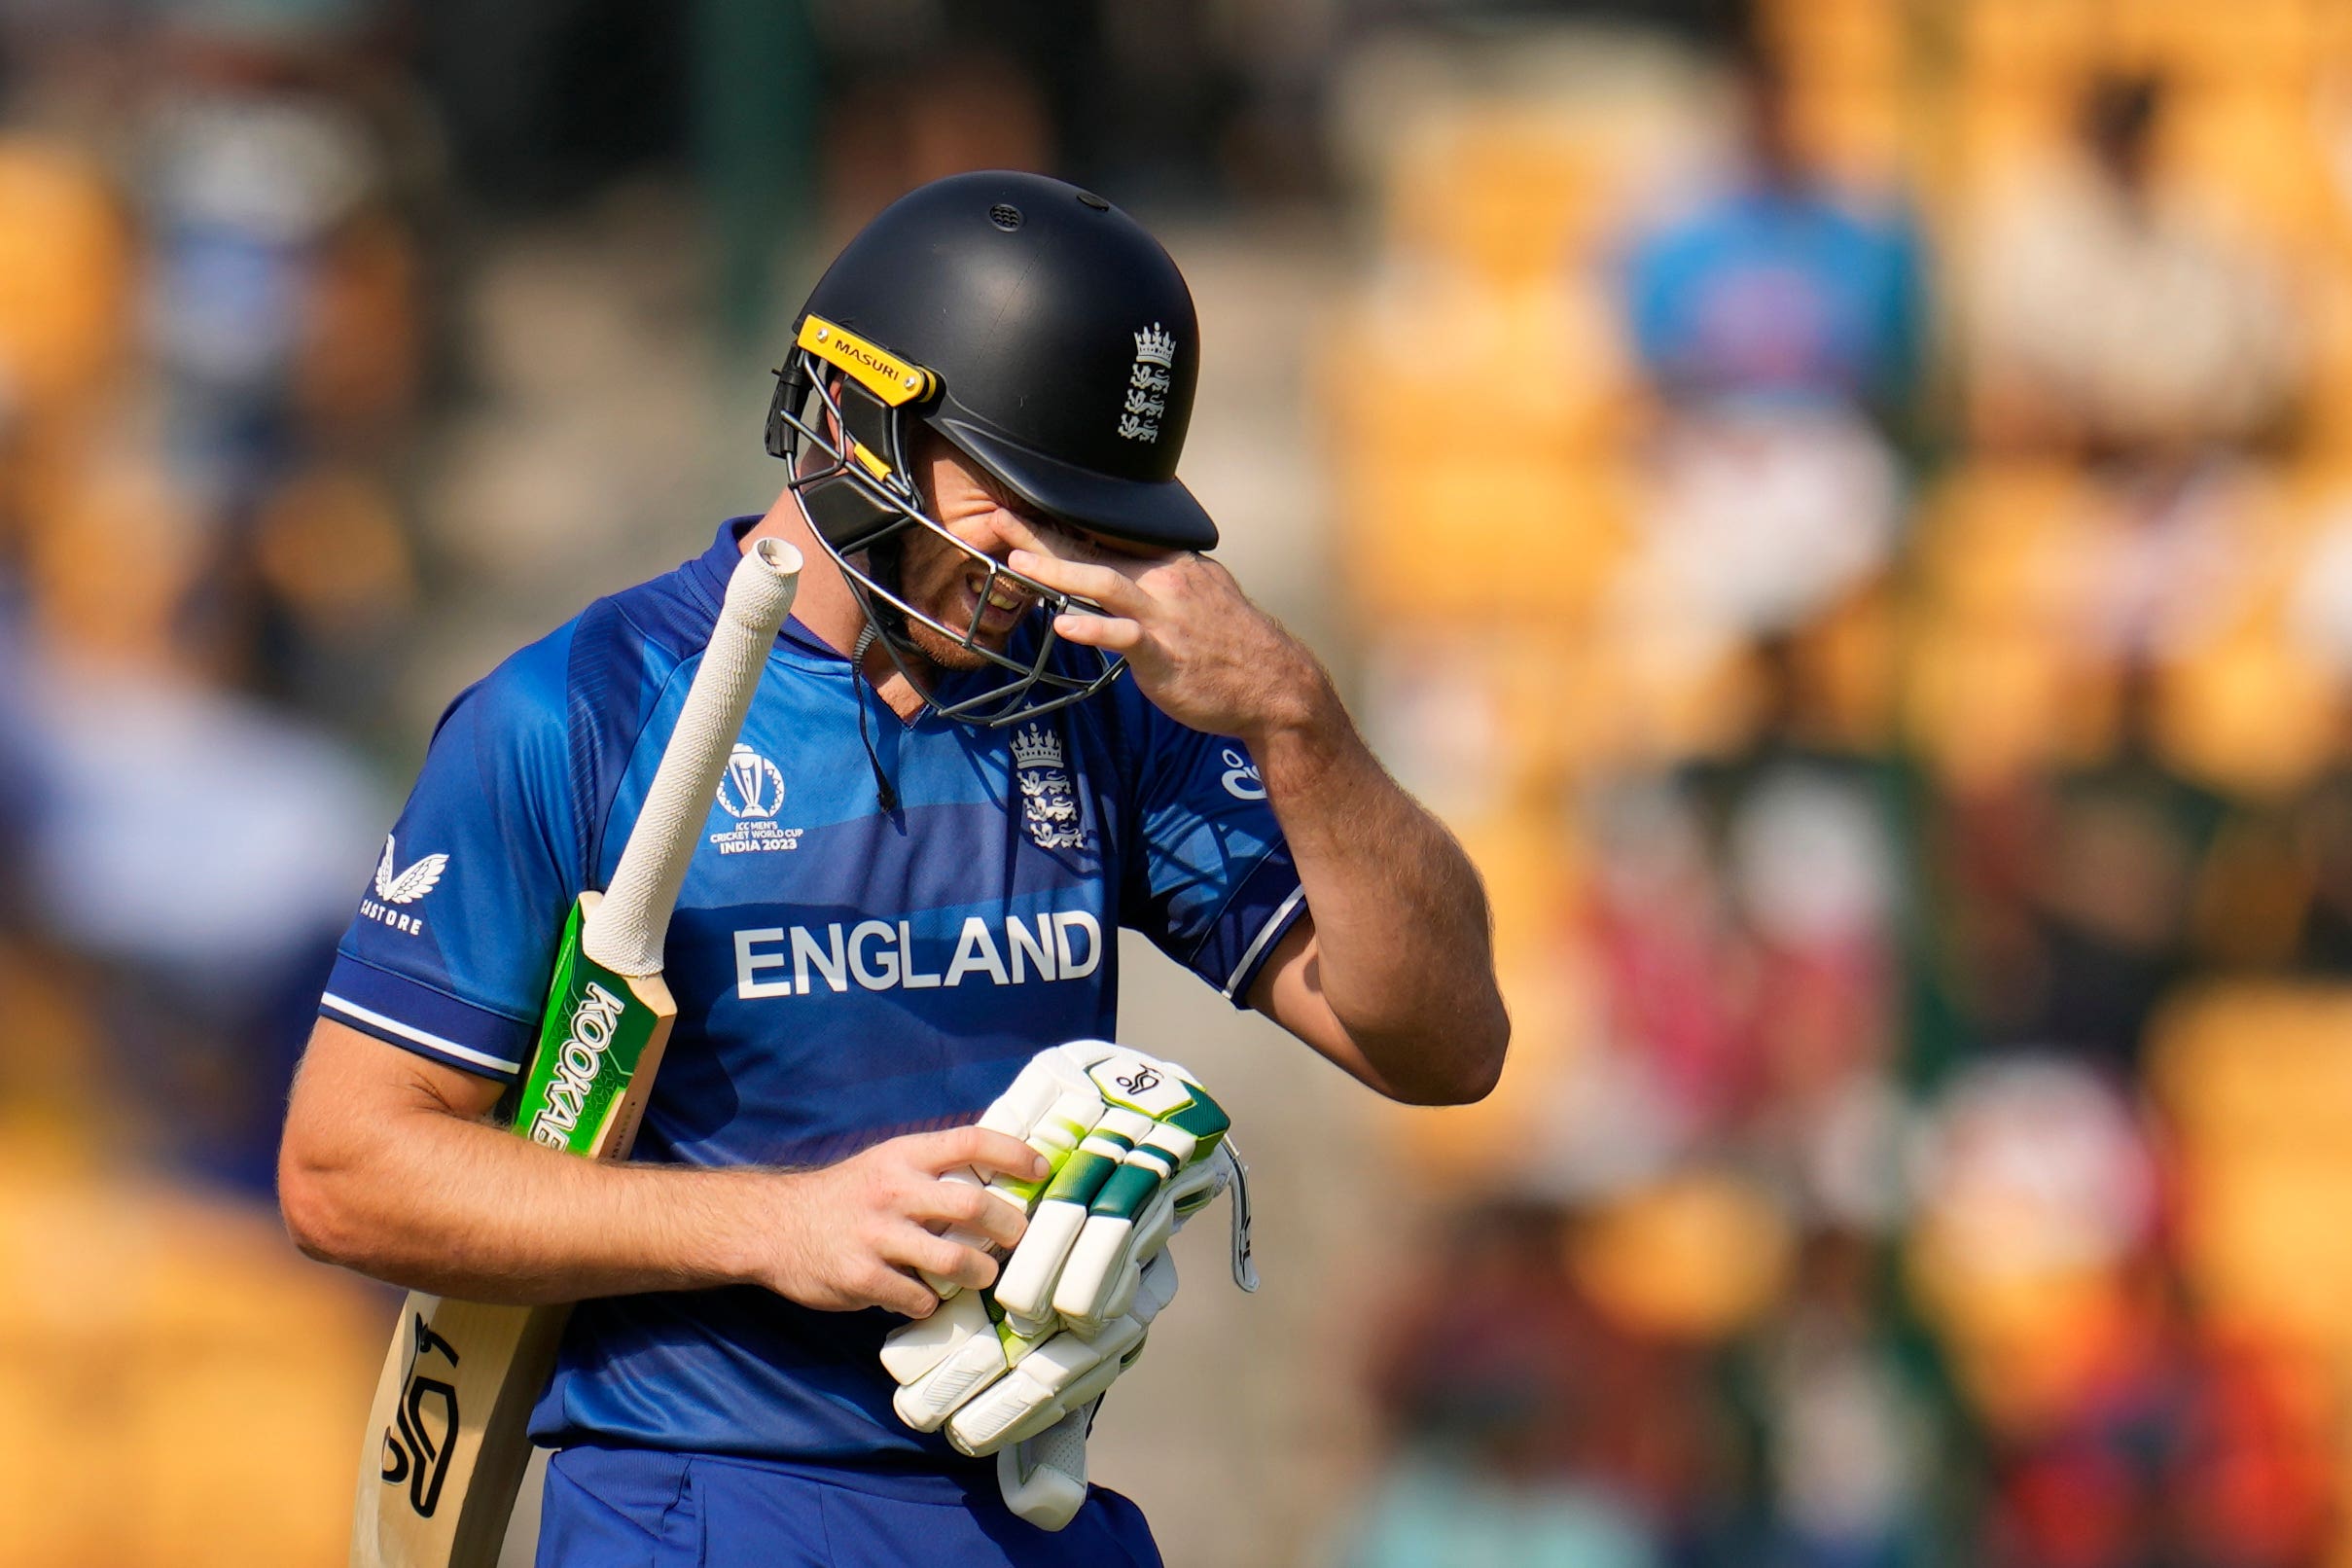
889,796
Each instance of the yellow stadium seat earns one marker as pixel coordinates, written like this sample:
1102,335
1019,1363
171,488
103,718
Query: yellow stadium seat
1470,537
2025,1347
1987,705
2248,714
178,1388
2327,318
2242,704
1844,668
1692,1258
1682,692
2258,149
2013,40
81,603
1993,678
1860,130
1845,42
1469,715
1510,195
2000,128
64,279
2272,43
2256,1085
1443,363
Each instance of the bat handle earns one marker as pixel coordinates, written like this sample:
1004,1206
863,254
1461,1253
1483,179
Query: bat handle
625,931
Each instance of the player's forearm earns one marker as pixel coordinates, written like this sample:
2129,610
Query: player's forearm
390,1167
1402,928
457,1207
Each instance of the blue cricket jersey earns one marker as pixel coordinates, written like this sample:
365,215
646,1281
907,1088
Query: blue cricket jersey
842,974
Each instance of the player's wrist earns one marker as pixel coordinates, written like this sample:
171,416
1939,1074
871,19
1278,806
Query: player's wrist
1302,735
756,1235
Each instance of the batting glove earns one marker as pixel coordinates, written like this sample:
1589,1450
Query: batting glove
968,1370
1155,1156
1051,1106
1044,1478
1135,1147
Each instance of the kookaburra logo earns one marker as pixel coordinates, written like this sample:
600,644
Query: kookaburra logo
1147,382
424,1431
1142,1081
578,1061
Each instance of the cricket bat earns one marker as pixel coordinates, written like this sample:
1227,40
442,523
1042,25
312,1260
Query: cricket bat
445,1443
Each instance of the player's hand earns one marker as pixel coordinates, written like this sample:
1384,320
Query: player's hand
858,1233
1200,650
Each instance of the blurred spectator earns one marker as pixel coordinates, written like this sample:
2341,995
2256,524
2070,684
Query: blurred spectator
1738,927
2116,311
1882,1001
197,853
1778,321
1852,1445
1778,286
1530,1431
284,327
2071,902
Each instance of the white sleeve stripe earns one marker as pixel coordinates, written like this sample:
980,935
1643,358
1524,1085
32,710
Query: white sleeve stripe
1265,933
408,1032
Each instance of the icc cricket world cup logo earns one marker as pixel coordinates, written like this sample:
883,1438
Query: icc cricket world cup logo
752,786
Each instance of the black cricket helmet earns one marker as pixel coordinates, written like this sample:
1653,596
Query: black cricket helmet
1046,336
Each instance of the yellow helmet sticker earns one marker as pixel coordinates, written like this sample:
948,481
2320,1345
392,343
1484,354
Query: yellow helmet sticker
888,377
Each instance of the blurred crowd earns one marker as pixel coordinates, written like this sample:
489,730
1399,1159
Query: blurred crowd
1853,532
1846,506
210,358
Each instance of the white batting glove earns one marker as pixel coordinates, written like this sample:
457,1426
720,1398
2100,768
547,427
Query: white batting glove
1051,1106
967,1369
1154,1158
1044,1478
1136,1147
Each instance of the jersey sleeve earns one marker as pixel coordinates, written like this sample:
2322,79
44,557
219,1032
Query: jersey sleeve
1210,879
449,953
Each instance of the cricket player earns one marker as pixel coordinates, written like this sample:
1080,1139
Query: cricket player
1017,709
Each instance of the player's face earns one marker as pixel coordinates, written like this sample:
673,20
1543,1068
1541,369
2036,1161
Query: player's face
944,582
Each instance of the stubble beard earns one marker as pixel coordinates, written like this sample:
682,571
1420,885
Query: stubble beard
943,652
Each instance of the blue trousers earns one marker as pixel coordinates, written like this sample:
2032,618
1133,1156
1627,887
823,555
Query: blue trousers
637,1508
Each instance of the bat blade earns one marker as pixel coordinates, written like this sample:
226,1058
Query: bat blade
448,1434
449,1431
448,1428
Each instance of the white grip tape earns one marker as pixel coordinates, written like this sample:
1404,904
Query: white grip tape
624,933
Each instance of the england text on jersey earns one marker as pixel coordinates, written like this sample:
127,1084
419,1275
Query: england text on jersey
881,957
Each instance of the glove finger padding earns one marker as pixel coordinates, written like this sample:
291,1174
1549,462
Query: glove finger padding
1026,1288
1051,1106
944,1359
966,1367
1099,1281
1084,1238
1067,1371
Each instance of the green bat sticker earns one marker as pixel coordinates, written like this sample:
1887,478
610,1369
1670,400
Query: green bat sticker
591,1041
